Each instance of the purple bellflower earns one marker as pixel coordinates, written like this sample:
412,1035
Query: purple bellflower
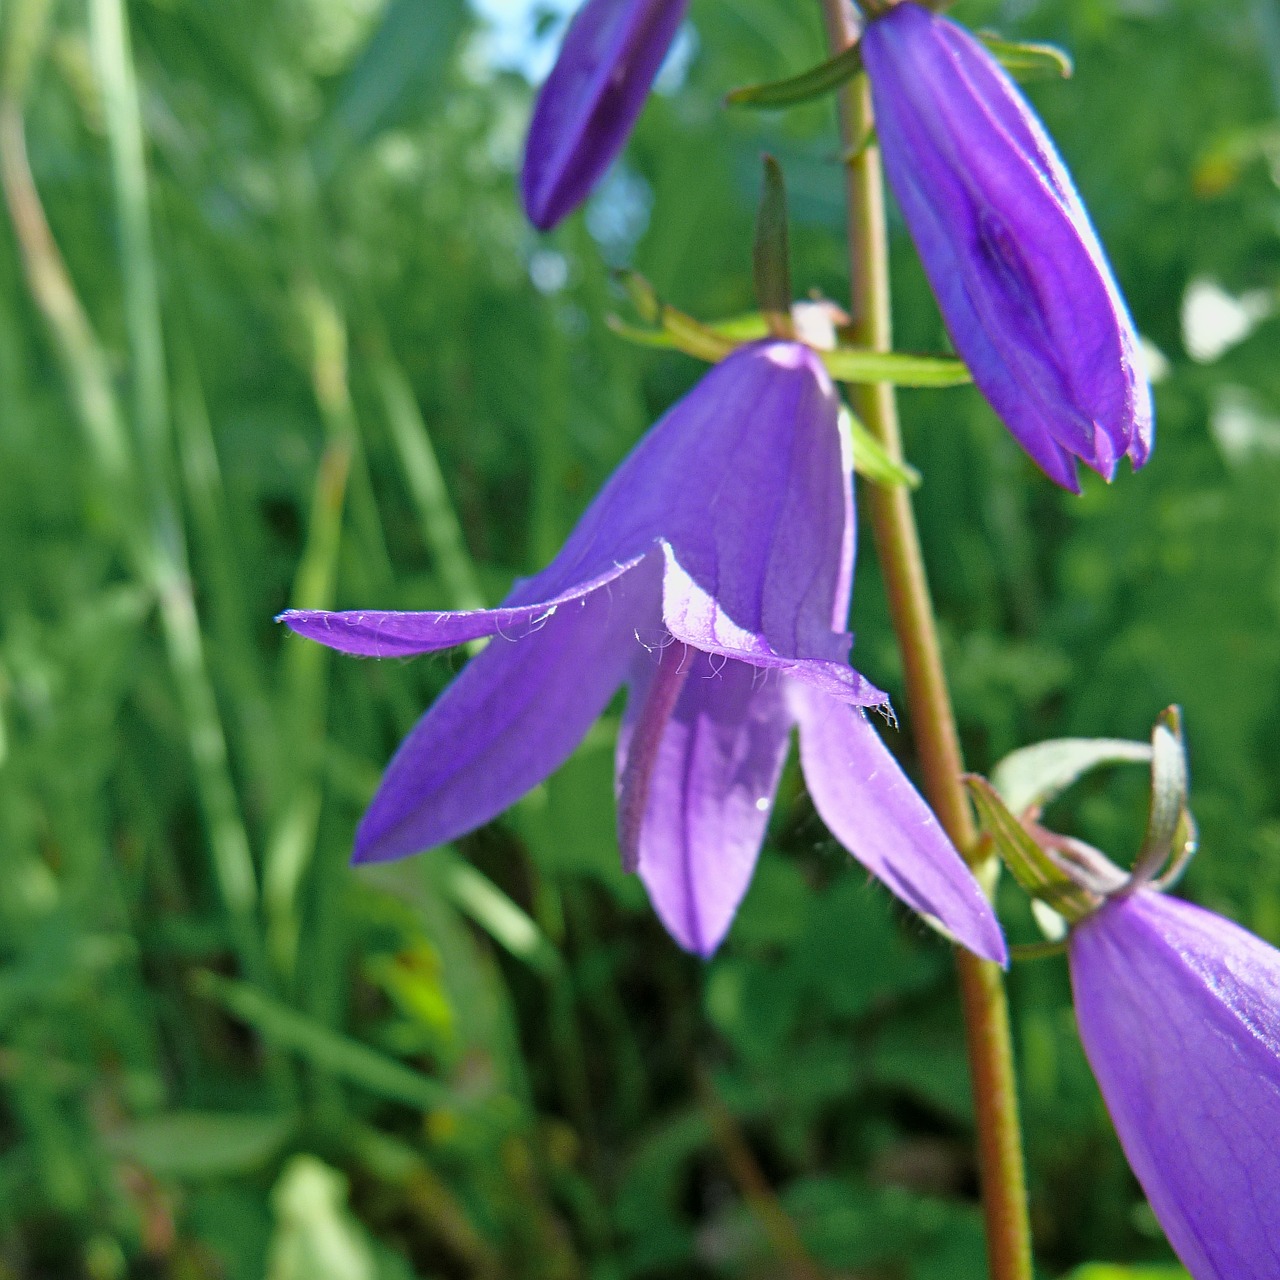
711,576
586,109
1022,282
1179,1011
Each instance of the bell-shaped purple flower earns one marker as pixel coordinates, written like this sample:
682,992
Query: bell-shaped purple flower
1022,282
711,576
586,109
1179,1011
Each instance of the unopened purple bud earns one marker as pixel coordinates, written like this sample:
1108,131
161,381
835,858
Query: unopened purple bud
1179,1011
589,103
1022,282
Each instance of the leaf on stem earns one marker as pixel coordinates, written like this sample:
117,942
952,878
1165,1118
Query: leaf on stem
859,364
771,253
815,82
327,1049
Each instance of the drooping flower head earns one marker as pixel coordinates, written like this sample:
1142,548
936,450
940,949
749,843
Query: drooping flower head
1179,1011
1024,287
711,576
585,111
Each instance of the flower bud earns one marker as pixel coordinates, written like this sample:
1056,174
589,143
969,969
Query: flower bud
1022,282
589,103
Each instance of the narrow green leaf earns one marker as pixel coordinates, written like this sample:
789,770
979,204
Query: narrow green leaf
857,364
291,842
511,927
397,73
1028,59
343,1057
771,254
1031,777
804,87
203,1144
674,329
1113,1271
871,460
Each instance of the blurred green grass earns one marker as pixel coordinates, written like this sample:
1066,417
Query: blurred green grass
289,342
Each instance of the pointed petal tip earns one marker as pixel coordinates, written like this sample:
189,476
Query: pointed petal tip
1069,479
981,934
1140,451
990,941
369,851
692,942
872,808
542,212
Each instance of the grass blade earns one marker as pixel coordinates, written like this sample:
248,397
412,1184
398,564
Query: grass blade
329,1050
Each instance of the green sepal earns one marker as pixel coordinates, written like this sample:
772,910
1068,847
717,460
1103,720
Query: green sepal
1032,777
860,364
1030,865
1170,834
771,253
670,328
1028,59
870,458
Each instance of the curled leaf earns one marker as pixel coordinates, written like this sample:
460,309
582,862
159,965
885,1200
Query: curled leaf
1032,777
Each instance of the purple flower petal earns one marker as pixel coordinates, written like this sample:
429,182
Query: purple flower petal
657,678
373,634
586,109
747,482
1179,1011
514,715
709,792
1021,279
745,486
698,619
726,534
870,806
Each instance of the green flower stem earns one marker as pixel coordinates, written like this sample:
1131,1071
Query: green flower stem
932,720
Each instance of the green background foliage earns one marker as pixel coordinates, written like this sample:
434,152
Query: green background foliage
317,358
